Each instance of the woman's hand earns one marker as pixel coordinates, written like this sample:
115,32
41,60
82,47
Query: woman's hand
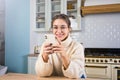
47,49
60,49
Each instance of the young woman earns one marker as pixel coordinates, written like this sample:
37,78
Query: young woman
65,58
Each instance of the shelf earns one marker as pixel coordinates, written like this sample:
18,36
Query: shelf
72,1
40,21
72,10
56,11
56,2
40,12
40,3
96,9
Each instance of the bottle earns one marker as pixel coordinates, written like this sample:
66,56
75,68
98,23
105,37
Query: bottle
36,49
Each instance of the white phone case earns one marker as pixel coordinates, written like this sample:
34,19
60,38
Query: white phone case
50,38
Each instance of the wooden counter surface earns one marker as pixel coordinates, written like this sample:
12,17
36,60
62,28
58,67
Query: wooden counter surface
17,76
33,55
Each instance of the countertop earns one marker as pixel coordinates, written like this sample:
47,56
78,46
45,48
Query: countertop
33,55
18,76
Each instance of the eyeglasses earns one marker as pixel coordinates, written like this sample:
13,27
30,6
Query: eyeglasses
63,27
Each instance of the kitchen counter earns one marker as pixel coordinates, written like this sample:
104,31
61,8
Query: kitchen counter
18,76
33,55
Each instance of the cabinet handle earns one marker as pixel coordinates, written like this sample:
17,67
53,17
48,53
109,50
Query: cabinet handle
96,66
117,67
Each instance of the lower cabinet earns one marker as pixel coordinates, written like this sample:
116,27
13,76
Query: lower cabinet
31,64
102,71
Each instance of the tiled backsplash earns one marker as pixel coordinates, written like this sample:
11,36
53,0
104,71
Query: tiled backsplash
101,31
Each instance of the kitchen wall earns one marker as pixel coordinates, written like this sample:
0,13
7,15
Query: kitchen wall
101,30
97,30
17,35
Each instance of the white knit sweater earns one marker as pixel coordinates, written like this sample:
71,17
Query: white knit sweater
54,65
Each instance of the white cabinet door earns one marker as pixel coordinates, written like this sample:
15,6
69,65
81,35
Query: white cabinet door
31,65
42,12
38,14
73,9
54,9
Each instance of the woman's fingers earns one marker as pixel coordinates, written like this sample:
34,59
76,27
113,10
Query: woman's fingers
48,48
57,48
49,51
59,41
48,44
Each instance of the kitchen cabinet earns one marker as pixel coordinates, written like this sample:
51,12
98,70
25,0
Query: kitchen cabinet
42,12
31,63
97,9
101,71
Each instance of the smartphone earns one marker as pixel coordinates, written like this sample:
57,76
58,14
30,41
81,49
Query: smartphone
50,38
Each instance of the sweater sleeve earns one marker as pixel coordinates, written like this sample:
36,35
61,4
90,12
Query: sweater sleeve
76,66
42,68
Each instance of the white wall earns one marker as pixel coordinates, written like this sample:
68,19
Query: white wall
98,30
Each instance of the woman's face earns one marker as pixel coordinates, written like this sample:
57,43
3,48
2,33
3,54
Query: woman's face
60,29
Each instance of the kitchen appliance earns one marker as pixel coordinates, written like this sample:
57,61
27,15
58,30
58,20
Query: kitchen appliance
116,72
104,62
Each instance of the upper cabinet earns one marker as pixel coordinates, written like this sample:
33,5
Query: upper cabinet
73,9
42,12
98,7
55,7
